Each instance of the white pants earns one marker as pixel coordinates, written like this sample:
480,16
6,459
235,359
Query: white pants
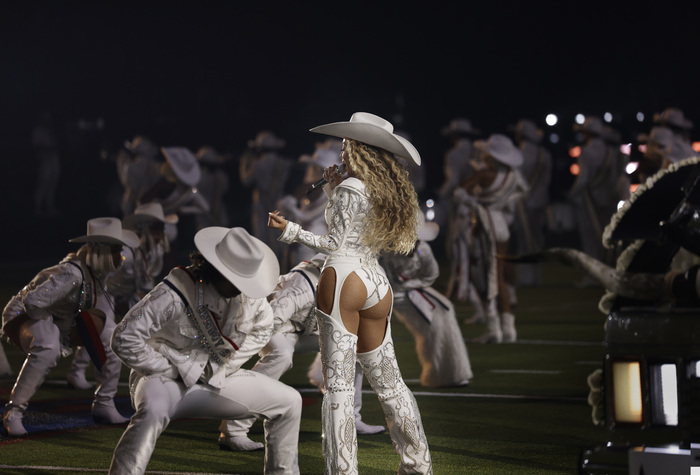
276,359
158,400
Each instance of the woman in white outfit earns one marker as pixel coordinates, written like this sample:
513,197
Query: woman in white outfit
429,315
186,341
372,209
41,317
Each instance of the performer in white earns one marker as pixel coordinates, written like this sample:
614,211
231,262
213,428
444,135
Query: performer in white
185,343
40,318
429,315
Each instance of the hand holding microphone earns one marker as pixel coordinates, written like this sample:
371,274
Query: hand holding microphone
323,181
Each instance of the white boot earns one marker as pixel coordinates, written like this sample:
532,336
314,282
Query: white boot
508,327
76,374
400,408
493,333
338,356
105,412
12,421
362,427
239,443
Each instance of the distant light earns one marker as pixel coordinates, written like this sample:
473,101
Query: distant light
633,187
626,148
430,203
575,152
640,116
430,215
620,204
580,119
631,167
696,146
608,117
642,147
554,138
551,119
574,169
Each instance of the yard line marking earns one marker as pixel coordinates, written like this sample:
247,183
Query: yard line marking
472,395
524,371
82,469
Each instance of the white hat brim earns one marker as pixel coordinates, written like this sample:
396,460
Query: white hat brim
129,238
258,286
371,135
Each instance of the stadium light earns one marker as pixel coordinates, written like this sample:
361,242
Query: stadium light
551,119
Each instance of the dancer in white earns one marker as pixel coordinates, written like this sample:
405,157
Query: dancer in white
371,210
40,318
185,343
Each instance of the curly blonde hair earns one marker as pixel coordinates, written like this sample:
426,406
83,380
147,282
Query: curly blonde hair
392,222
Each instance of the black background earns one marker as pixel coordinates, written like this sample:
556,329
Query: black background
217,72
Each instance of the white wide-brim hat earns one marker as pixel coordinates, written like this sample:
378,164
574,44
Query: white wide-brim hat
460,126
502,149
674,117
528,129
184,164
372,130
108,231
149,212
426,230
244,260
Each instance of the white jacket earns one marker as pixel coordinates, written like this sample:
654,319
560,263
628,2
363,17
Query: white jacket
157,337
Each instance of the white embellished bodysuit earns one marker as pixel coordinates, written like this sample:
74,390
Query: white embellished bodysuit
346,216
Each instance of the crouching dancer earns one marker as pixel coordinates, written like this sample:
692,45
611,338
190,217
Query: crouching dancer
185,343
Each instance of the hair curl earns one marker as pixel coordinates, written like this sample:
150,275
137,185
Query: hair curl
393,218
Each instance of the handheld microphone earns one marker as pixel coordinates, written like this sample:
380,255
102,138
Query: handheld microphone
322,182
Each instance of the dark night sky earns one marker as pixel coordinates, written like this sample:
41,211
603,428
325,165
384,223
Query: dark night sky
216,72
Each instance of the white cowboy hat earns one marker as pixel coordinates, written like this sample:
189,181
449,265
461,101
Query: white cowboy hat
246,261
141,145
502,149
673,117
460,126
184,164
591,125
209,155
372,130
108,231
149,212
528,129
426,230
266,140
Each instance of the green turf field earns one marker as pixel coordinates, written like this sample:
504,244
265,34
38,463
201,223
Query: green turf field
524,412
